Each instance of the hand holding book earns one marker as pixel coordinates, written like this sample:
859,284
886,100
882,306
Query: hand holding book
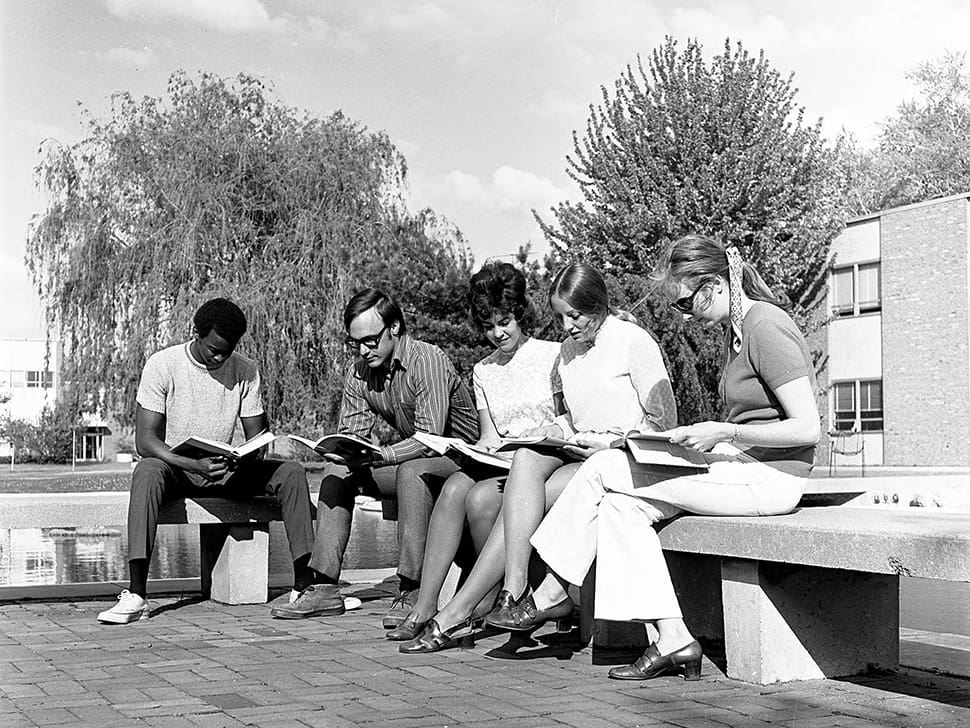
350,450
703,436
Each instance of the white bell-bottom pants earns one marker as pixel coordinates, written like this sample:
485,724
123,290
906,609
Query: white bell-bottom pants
608,509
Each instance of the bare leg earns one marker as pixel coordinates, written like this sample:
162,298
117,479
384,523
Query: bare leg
488,570
444,535
484,576
483,503
522,509
672,635
552,590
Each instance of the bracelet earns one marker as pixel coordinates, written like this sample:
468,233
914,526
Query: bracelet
736,434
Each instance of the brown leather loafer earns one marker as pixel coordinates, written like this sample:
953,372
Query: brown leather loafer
652,664
524,616
410,628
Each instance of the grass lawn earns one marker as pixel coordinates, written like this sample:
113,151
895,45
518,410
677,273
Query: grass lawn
85,478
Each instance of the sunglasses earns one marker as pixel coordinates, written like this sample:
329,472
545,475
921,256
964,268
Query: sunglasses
368,342
686,304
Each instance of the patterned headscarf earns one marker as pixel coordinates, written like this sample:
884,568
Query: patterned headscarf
735,277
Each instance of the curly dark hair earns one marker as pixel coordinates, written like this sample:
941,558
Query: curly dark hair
224,316
500,287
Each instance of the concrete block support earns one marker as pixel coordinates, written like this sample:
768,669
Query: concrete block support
235,562
784,622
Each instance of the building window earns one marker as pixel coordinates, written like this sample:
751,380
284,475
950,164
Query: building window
857,405
855,289
870,406
43,379
18,378
843,292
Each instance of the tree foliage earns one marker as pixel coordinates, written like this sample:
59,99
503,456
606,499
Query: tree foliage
50,440
922,150
683,146
221,189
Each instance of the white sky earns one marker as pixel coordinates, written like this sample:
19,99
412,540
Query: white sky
481,97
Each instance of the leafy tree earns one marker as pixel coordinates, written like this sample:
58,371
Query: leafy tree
52,439
221,189
48,441
922,149
721,149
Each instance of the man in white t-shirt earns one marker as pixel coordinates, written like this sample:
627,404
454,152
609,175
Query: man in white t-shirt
202,387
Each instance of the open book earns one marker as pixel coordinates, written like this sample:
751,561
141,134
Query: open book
604,439
442,445
655,448
201,446
344,446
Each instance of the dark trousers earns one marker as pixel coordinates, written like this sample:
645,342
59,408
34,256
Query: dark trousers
415,483
154,482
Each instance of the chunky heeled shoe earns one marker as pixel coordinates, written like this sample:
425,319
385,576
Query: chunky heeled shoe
433,638
410,628
651,664
502,611
524,616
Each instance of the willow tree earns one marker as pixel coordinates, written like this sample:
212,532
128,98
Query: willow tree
220,189
720,148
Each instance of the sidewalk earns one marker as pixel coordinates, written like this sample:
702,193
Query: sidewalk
199,663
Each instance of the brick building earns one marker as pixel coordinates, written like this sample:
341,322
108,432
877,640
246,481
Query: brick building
899,341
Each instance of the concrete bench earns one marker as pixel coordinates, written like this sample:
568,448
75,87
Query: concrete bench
807,595
233,534
233,543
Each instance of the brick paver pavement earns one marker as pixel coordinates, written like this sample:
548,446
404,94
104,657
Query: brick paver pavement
198,663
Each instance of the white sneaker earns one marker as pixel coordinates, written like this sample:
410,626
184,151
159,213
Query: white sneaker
130,608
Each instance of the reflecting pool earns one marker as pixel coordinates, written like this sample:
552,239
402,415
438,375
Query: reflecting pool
32,556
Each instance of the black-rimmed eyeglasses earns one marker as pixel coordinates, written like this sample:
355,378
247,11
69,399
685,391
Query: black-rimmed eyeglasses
368,342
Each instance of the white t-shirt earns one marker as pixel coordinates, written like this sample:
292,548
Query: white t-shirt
196,400
518,392
619,383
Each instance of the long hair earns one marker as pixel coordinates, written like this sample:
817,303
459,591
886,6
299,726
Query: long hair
694,259
583,287
500,287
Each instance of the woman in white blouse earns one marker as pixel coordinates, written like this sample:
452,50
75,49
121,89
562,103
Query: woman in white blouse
612,379
514,393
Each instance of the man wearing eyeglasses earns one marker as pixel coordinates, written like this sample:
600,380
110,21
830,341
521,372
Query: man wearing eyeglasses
414,387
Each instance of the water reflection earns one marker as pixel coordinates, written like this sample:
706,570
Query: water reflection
34,556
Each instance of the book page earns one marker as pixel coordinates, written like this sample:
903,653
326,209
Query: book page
501,460
254,443
660,451
195,446
438,443
513,443
345,446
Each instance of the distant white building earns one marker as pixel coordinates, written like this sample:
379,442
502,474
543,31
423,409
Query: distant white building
28,377
30,381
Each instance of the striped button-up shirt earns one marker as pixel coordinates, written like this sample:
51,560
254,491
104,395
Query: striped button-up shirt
420,392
